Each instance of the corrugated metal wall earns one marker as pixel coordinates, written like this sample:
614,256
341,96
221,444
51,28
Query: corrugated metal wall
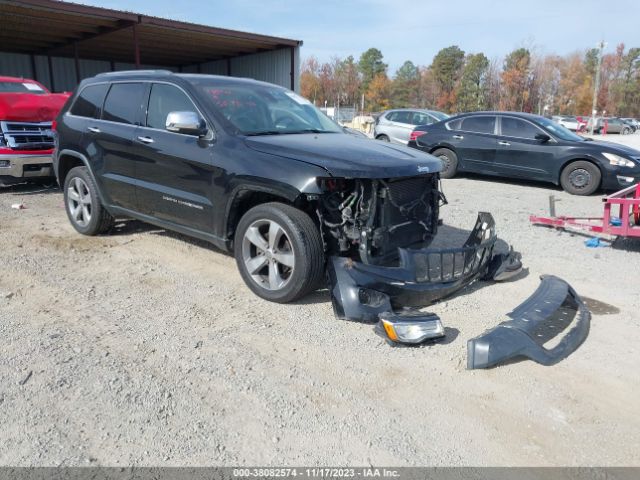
272,66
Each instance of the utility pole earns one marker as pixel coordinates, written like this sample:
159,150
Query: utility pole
597,86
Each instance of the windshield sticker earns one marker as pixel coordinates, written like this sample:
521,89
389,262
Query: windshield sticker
32,87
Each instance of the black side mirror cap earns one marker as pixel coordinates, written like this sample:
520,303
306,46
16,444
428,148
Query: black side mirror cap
543,137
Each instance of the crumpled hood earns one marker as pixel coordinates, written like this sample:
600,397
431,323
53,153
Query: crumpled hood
616,148
28,107
348,156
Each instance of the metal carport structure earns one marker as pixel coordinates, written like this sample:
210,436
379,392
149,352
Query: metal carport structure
60,43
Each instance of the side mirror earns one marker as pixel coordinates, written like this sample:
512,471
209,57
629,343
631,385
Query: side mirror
188,123
542,137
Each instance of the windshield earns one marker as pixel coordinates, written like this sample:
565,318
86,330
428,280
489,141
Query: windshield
266,110
558,130
21,87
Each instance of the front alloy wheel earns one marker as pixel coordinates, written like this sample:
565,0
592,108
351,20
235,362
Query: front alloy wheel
268,254
279,252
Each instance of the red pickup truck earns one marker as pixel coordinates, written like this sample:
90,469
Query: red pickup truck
27,110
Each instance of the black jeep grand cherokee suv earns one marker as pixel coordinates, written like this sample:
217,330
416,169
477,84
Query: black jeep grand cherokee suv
254,169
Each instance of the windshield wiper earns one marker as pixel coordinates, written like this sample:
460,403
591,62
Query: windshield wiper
311,130
287,132
266,132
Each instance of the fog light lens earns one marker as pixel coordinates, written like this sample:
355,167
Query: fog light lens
372,298
5,163
409,329
625,180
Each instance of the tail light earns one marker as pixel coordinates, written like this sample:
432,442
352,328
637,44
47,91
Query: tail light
415,134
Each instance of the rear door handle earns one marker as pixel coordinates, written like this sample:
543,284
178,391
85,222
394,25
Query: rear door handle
506,144
458,137
146,139
93,129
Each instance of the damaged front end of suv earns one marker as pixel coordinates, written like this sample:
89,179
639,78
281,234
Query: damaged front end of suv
380,266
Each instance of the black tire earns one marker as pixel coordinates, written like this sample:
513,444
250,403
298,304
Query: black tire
303,237
626,131
383,138
449,162
580,178
100,220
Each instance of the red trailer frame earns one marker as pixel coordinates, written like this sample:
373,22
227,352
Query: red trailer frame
626,224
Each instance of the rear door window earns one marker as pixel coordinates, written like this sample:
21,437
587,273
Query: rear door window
479,124
391,117
89,102
402,117
163,100
124,103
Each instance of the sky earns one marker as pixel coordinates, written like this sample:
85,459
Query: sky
413,29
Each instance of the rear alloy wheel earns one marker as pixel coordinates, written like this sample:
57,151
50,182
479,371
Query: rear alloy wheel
383,138
82,203
279,252
449,162
580,178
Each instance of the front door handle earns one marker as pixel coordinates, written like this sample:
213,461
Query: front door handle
506,144
458,137
146,139
93,129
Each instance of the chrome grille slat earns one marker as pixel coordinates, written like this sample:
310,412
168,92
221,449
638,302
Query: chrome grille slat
27,135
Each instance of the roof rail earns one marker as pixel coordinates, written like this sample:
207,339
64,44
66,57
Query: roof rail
134,72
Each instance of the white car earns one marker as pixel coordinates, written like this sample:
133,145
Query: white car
569,122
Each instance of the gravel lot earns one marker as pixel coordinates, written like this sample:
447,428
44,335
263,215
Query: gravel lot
145,348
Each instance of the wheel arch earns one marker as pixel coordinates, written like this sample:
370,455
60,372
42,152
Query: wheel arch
579,158
443,145
245,197
68,159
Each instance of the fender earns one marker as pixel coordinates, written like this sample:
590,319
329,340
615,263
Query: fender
283,190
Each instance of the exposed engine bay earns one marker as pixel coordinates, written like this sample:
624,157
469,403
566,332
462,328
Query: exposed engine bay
367,220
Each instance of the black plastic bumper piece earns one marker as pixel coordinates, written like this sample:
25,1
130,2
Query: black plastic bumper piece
553,308
361,292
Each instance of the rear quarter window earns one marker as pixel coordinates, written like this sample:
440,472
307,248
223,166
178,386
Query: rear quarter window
89,102
454,124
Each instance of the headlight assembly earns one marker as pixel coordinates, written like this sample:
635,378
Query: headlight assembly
618,161
409,328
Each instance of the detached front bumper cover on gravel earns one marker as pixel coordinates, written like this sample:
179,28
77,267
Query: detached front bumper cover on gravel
364,292
553,308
